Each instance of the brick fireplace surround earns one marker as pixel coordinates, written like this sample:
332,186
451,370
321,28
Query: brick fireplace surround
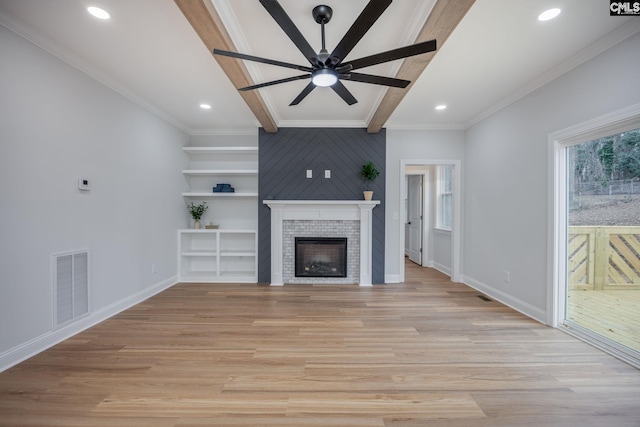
286,211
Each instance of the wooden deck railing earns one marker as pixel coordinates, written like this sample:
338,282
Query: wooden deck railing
604,258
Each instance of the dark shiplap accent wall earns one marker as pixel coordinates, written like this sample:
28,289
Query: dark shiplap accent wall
285,157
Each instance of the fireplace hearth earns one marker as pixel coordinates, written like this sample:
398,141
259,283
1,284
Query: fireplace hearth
320,257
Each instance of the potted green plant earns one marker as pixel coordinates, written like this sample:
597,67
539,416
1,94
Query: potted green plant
196,212
369,173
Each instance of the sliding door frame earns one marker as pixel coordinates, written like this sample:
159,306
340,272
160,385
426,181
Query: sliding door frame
558,142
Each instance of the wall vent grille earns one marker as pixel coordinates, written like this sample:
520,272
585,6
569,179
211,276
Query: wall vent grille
71,287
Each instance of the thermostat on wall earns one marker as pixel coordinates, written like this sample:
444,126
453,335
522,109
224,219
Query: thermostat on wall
83,184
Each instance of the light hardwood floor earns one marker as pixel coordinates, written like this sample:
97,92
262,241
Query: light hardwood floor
426,352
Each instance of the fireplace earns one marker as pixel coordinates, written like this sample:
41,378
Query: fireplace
321,257
327,218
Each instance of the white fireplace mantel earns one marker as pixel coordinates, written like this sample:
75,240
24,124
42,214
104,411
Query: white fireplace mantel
321,210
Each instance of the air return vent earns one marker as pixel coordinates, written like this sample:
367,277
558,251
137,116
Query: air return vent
71,286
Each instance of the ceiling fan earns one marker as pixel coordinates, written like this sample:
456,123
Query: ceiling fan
328,69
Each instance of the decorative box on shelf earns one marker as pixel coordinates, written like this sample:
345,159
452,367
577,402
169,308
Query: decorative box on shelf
223,188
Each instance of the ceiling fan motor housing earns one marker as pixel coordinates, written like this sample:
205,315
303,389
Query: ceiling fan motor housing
322,14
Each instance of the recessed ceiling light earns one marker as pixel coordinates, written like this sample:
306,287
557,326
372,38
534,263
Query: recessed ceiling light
548,15
205,106
441,107
98,13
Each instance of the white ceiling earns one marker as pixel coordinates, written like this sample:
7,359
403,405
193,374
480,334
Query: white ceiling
148,52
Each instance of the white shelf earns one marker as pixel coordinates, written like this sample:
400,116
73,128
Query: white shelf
214,255
211,194
227,254
217,230
239,277
221,150
203,172
199,253
237,253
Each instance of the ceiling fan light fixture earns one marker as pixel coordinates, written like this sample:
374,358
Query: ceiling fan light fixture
549,14
324,77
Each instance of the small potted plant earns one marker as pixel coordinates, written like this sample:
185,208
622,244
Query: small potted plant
196,212
369,173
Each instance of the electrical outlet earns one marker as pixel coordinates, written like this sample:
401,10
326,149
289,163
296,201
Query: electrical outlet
309,173
327,173
506,276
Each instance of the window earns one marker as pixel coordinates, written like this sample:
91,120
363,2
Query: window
444,196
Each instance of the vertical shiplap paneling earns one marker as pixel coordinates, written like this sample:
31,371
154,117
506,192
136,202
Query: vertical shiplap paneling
285,157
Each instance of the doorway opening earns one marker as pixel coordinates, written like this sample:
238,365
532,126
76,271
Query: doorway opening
417,218
431,191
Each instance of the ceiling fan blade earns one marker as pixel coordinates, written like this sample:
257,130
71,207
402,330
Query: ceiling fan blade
378,80
290,29
306,91
275,82
342,91
392,55
367,18
262,60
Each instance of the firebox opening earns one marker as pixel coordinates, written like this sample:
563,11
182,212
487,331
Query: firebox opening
321,257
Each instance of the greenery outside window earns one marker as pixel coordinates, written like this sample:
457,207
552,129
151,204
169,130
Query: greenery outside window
445,197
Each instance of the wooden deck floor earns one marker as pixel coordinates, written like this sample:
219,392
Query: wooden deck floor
427,352
612,314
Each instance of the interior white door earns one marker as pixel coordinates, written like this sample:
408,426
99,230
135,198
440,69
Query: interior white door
414,194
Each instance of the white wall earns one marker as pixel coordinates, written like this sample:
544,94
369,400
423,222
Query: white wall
441,259
57,125
410,145
506,175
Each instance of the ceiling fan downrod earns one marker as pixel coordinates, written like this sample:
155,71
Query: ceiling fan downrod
322,15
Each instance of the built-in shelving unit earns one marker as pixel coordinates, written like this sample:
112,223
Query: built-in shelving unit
228,253
217,255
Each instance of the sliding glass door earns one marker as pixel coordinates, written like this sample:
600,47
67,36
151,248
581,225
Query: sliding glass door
602,294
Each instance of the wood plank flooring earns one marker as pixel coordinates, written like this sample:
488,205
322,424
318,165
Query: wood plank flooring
426,352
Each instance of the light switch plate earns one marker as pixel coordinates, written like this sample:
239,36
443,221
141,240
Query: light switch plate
309,173
327,173
83,184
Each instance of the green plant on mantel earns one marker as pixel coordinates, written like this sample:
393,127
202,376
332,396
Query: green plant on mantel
197,211
369,173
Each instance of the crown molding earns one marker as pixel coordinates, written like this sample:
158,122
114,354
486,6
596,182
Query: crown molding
38,39
607,42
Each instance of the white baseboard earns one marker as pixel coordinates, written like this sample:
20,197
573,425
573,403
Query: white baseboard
32,347
391,278
441,268
515,303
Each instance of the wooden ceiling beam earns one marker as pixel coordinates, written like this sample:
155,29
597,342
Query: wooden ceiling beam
207,23
444,18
